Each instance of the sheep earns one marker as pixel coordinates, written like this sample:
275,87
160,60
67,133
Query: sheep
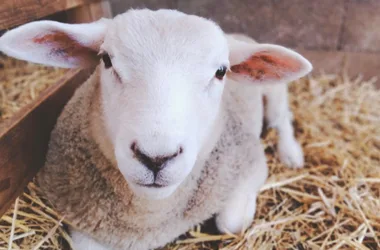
165,133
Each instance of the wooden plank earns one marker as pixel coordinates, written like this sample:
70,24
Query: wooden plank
89,12
79,15
100,9
16,12
24,141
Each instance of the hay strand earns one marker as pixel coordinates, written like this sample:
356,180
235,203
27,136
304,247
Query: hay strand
11,237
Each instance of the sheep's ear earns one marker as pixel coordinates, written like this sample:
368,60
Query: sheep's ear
265,63
55,44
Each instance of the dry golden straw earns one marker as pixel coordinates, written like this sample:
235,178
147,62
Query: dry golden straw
333,203
21,82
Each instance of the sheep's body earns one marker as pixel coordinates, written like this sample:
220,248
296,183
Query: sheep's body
161,137
84,184
90,191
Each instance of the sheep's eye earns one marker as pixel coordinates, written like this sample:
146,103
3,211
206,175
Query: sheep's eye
221,72
107,60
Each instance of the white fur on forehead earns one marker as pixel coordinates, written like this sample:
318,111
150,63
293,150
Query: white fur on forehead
165,35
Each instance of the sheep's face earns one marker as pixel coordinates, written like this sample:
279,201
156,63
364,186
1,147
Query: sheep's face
162,79
161,82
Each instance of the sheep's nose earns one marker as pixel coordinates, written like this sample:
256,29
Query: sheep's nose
153,163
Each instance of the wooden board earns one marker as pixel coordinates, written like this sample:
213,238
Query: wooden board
90,12
16,12
24,140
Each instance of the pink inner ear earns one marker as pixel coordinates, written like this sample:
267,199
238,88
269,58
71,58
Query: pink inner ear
63,46
267,65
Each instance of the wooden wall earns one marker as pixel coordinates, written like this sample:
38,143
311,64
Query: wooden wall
333,34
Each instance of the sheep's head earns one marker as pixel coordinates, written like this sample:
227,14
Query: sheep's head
162,75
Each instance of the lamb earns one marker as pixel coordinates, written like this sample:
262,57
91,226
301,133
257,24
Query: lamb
166,132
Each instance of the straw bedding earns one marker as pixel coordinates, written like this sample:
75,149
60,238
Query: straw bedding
21,82
333,203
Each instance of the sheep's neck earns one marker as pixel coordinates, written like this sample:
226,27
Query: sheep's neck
99,132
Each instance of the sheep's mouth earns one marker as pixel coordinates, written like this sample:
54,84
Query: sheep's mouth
152,185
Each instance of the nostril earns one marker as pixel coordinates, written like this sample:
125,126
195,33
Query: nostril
134,147
155,163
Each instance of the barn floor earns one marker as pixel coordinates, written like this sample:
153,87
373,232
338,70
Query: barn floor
333,203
